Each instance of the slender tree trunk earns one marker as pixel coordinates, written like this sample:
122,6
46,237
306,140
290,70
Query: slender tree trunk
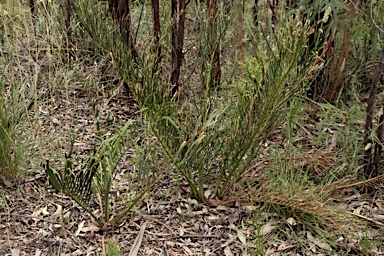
68,17
120,10
370,170
240,29
272,5
337,79
178,20
378,146
214,56
156,29
255,10
32,7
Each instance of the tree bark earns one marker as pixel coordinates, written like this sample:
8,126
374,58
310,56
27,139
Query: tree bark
369,169
214,56
240,29
178,20
337,81
120,10
255,9
156,29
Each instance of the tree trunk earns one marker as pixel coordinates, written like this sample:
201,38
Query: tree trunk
255,9
156,29
178,20
240,29
214,56
120,10
369,169
337,78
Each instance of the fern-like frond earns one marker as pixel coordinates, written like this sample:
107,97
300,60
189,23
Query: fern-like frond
77,184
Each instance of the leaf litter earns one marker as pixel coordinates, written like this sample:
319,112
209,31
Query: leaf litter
34,220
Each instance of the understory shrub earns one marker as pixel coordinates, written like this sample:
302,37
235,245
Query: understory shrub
215,132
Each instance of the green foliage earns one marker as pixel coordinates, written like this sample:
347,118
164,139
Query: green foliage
13,136
215,133
75,184
97,175
320,12
112,249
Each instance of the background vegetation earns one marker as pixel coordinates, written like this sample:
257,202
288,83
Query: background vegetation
269,108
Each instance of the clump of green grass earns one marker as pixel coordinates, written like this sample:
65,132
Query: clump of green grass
298,189
14,134
11,141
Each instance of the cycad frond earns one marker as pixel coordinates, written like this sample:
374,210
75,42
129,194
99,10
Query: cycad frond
75,184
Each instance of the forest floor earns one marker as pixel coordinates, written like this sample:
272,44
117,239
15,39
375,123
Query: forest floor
63,89
34,220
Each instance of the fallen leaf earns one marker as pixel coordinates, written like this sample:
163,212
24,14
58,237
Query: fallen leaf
193,201
6,182
44,211
136,245
227,251
242,237
207,193
15,252
91,227
213,202
291,221
281,247
222,208
181,231
79,228
188,250
318,243
233,217
59,210
266,229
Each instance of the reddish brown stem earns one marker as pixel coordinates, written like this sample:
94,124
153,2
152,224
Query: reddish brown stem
215,50
178,20
156,29
370,170
120,10
338,78
240,30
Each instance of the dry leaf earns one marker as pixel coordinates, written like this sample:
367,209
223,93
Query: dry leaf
207,193
213,202
266,229
44,211
318,243
242,237
15,252
291,221
227,251
38,252
79,228
193,201
6,182
136,245
59,210
91,227
181,231
222,208
188,250
281,247
233,217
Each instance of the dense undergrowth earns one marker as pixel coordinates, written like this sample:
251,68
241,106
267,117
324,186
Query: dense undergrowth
255,138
